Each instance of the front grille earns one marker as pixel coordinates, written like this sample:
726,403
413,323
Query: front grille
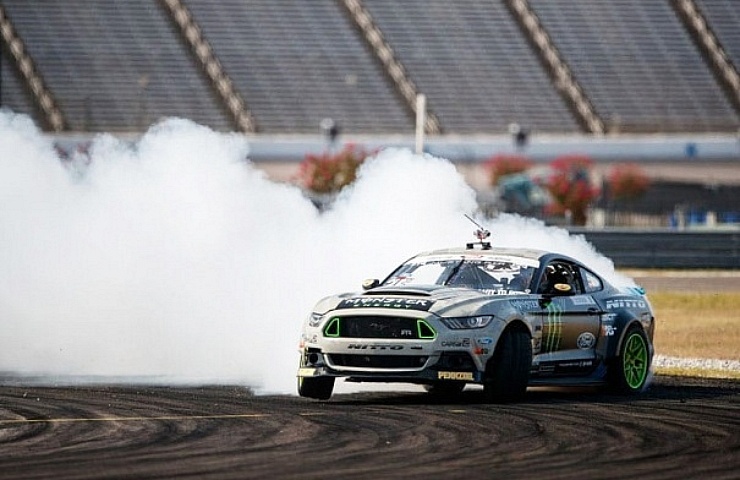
378,361
386,327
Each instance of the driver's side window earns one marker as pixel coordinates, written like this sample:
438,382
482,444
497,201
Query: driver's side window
559,273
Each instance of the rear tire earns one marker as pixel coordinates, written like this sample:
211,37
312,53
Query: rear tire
507,372
629,372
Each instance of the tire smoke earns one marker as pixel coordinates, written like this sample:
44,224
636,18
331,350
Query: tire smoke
175,260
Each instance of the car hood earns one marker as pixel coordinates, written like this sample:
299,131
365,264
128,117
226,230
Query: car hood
436,299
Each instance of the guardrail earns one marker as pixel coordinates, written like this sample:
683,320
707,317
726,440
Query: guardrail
666,248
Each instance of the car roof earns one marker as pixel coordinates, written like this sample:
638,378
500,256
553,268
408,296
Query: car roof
529,253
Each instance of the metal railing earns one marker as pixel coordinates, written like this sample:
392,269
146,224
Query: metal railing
387,57
220,80
564,80
663,248
41,94
696,23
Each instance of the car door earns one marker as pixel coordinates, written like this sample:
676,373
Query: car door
570,319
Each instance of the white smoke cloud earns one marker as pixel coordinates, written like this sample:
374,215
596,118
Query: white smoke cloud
175,260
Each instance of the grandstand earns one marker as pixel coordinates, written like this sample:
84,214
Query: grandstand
281,66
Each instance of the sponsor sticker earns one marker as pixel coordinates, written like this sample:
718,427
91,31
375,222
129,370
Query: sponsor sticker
583,300
374,346
386,302
622,303
586,340
306,372
525,305
467,376
577,364
608,330
456,343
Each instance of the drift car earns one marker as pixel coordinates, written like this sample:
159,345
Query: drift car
503,318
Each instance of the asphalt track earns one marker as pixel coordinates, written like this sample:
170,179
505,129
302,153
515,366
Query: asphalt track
679,428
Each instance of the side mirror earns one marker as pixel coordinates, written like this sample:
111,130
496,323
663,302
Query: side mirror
370,283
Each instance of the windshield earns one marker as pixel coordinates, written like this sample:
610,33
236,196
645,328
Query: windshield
499,275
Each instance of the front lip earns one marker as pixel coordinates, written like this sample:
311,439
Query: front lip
424,376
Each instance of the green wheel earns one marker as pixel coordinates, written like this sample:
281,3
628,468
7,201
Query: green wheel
630,371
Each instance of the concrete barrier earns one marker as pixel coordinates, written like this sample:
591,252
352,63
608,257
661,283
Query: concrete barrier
661,248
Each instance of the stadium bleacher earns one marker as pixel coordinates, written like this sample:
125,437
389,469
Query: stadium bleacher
112,66
724,17
298,62
474,64
119,66
637,65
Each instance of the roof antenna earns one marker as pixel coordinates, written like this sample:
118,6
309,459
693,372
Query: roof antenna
481,234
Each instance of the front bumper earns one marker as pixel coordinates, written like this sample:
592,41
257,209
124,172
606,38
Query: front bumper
440,367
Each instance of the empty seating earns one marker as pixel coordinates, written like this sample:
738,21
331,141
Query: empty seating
114,66
121,65
296,62
13,93
637,64
473,63
723,17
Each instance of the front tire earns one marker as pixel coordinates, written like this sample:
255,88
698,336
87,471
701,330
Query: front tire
507,372
319,388
628,374
445,390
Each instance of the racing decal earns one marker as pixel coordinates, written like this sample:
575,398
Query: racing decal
499,291
622,303
586,340
485,341
386,302
306,372
467,376
312,339
374,346
608,330
583,300
456,342
525,305
634,290
554,323
576,364
609,317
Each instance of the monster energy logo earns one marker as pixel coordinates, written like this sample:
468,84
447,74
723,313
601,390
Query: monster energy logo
554,327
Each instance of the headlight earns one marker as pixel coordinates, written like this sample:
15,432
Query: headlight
314,319
461,323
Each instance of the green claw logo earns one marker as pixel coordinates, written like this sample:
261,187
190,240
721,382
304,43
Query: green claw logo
554,327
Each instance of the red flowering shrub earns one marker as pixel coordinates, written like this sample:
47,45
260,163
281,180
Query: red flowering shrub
626,181
330,172
505,164
570,187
